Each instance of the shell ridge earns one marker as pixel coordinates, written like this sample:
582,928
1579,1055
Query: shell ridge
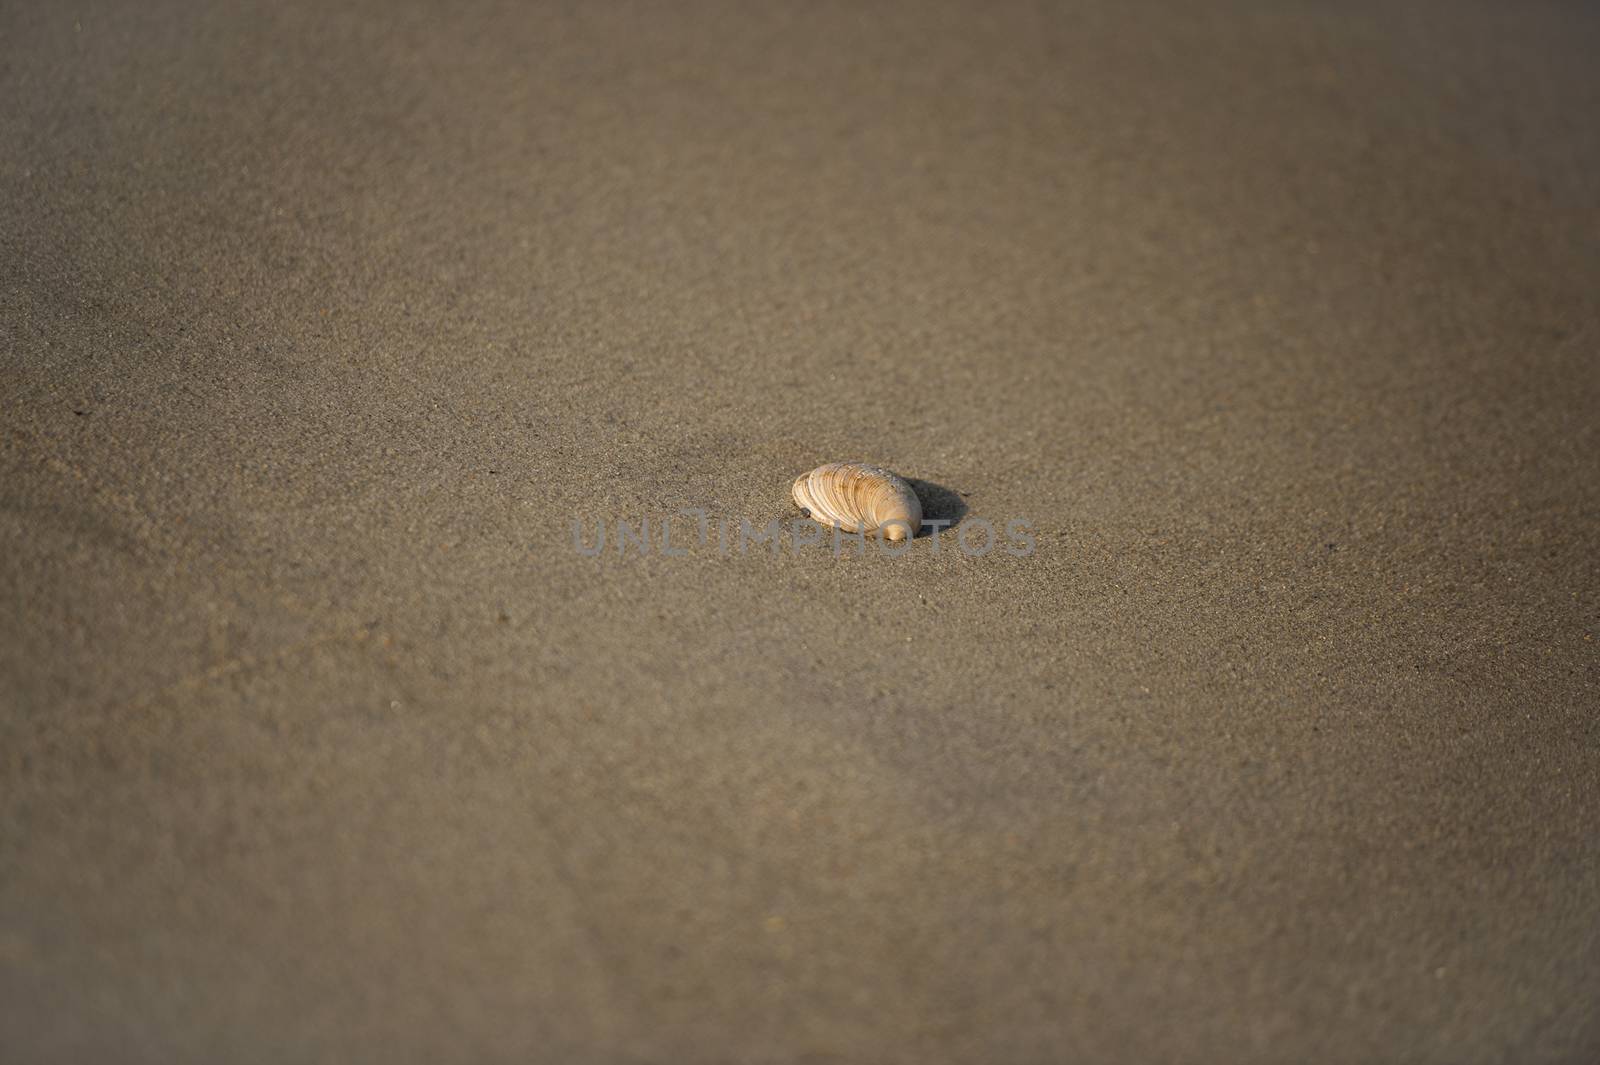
859,497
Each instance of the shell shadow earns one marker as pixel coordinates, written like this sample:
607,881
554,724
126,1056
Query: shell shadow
939,504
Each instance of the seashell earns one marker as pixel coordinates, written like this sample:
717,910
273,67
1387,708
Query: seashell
860,498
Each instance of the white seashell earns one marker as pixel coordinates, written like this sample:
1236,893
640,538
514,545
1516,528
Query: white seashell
860,498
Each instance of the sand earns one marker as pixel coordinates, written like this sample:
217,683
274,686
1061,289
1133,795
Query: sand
320,741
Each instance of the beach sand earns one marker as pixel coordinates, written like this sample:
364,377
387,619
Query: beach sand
321,741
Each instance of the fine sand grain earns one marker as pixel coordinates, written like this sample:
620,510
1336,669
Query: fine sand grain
321,323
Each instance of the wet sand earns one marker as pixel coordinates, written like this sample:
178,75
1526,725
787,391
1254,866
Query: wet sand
320,741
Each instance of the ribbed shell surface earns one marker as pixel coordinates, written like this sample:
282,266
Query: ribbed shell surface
858,497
